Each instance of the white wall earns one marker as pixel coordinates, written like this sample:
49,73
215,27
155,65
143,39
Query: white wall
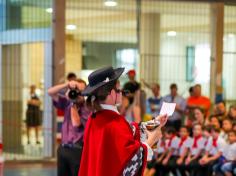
173,61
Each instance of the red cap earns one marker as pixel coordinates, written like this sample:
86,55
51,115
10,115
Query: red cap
131,72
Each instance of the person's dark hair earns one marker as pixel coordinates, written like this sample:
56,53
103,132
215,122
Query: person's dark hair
232,131
187,128
99,96
173,86
71,75
208,128
170,130
190,90
198,85
200,109
222,101
227,119
213,128
156,85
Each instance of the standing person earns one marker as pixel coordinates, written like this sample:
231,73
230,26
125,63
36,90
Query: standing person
33,114
132,85
198,100
176,119
154,102
75,117
111,145
71,76
135,93
130,109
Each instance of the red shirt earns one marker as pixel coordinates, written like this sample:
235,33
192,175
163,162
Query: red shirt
202,102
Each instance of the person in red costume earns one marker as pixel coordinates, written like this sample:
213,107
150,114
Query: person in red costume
112,146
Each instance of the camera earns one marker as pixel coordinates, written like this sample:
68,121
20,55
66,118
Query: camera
73,94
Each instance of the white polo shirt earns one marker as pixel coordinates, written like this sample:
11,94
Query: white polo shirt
174,145
186,144
230,152
200,146
161,146
220,145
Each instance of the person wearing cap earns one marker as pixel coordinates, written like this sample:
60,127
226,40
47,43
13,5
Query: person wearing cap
112,146
132,85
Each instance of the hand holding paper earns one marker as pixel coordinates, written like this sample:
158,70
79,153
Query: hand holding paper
167,108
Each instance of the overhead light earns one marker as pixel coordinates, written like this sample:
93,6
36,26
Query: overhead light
71,27
49,10
110,3
230,35
171,33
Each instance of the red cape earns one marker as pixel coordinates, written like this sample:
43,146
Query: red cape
109,144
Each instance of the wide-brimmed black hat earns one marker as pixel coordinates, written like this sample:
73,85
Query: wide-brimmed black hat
102,77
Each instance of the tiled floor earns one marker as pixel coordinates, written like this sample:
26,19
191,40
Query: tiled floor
30,170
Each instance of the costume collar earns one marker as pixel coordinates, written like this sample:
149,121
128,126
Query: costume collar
110,107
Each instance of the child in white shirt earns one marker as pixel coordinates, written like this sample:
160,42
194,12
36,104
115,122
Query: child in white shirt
169,162
227,163
184,147
196,151
213,151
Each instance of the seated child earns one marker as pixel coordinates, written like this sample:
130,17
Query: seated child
227,161
196,151
213,152
184,146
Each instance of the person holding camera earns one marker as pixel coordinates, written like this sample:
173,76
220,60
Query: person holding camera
75,118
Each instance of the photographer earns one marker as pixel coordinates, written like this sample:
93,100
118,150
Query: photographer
75,118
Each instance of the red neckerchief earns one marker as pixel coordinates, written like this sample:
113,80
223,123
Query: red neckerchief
196,140
182,141
214,142
171,138
163,143
206,142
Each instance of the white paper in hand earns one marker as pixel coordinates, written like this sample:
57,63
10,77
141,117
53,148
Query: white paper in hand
168,108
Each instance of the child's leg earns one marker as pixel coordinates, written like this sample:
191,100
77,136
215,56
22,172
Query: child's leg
227,168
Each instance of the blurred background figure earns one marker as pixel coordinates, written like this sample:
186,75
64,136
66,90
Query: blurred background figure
198,100
33,114
220,109
232,113
132,85
199,116
176,119
130,108
154,102
71,76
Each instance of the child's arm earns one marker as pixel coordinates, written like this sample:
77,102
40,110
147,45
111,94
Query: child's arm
169,154
188,159
198,155
181,157
214,157
159,159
